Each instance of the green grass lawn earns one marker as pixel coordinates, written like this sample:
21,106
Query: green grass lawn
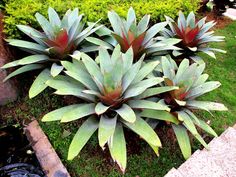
141,160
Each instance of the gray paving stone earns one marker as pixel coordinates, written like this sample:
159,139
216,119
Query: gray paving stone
223,152
201,165
173,173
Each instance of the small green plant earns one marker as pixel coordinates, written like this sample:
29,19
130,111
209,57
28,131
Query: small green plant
114,94
191,84
128,33
58,41
22,11
195,37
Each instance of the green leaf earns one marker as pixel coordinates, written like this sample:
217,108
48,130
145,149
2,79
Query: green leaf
142,128
205,105
153,31
105,60
92,67
82,136
140,87
145,70
145,104
160,115
117,147
33,59
126,113
182,68
54,18
79,112
100,108
78,73
58,113
200,123
143,24
99,42
27,45
156,90
23,69
39,83
46,26
130,75
203,88
106,129
56,69
183,140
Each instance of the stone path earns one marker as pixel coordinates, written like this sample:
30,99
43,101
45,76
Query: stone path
219,161
231,13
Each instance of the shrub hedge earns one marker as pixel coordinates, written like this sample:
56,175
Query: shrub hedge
23,11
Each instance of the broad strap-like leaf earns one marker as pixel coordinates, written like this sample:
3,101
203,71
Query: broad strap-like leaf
33,33
54,18
145,104
79,112
82,136
100,108
202,124
140,87
27,45
78,73
188,123
106,129
45,24
39,83
155,91
58,113
159,115
56,69
142,128
27,60
117,147
143,24
145,70
24,69
92,68
183,140
130,75
99,42
153,31
203,88
126,113
206,105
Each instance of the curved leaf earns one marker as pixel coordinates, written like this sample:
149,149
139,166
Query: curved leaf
82,136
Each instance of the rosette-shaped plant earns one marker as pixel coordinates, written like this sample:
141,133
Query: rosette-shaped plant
128,33
191,84
114,94
58,40
195,36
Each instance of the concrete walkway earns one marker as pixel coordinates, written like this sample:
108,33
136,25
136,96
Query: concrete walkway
219,161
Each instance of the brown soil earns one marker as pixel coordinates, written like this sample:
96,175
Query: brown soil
221,21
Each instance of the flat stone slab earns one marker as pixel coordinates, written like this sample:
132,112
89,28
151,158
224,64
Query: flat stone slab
218,161
201,165
46,155
173,173
231,13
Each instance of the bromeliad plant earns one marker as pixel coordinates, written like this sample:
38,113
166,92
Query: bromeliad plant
114,94
59,40
191,83
127,33
195,37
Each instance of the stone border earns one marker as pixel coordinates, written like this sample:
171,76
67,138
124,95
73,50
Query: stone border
46,155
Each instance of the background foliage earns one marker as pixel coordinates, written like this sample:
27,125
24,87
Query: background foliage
23,11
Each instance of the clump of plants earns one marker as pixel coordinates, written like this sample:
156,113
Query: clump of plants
126,79
58,40
195,36
129,33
